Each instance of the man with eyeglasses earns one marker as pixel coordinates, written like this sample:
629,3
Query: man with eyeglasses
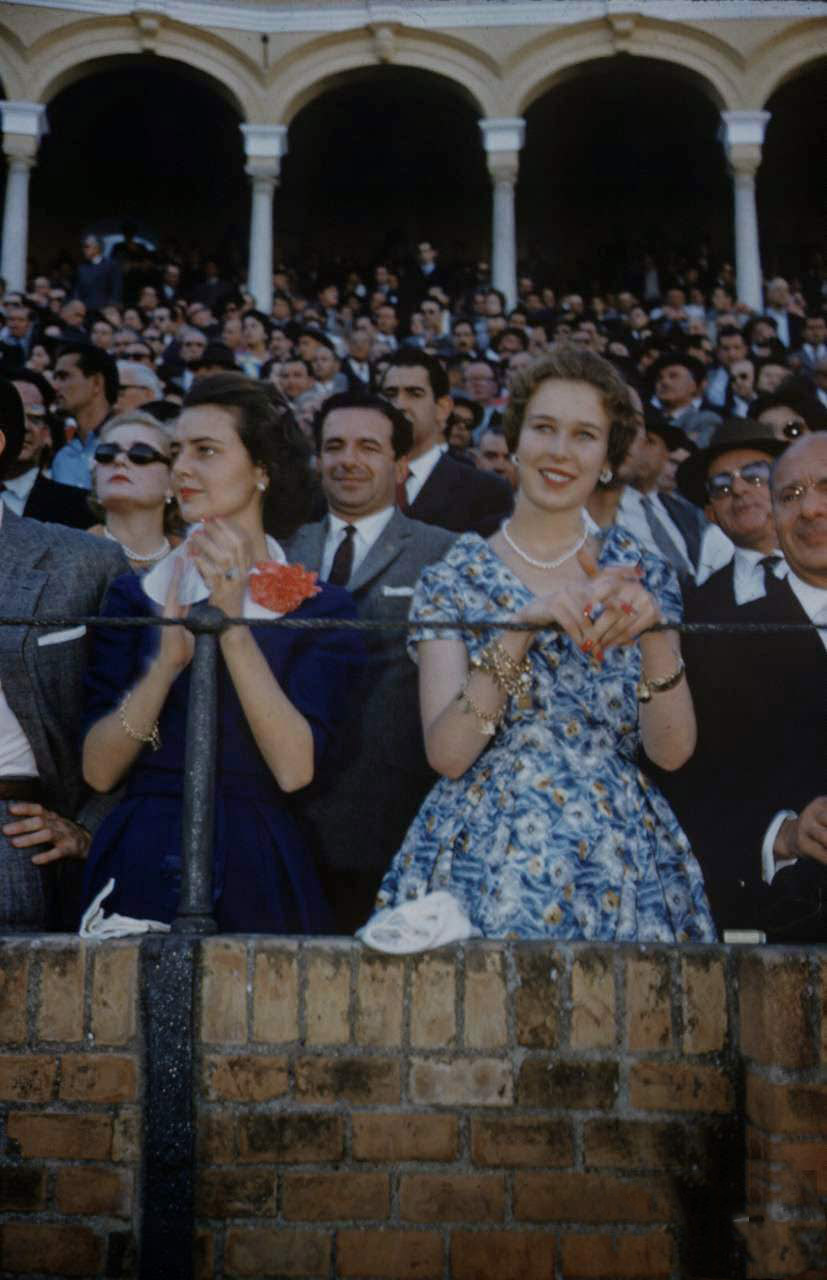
26,490
752,799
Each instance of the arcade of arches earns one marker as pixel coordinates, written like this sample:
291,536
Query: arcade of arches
563,133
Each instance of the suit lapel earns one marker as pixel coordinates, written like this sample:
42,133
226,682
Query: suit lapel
21,588
385,549
434,492
307,545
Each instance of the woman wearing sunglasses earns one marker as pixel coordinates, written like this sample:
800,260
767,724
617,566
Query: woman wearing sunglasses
239,464
132,485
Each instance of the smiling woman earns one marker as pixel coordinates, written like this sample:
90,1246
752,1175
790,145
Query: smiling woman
237,454
542,825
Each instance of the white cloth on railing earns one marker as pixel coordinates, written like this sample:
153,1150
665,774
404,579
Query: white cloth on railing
192,588
94,924
422,924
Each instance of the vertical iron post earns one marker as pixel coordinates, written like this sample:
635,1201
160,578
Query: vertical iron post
195,905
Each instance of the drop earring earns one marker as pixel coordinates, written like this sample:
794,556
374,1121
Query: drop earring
606,475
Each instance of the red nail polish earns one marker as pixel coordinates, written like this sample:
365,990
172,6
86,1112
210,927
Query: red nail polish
599,655
587,646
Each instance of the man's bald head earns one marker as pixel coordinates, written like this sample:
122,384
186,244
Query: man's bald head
799,497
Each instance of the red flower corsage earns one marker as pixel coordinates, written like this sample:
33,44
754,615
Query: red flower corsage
282,587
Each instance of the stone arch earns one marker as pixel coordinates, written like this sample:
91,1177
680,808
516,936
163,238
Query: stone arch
538,66
325,63
65,56
783,58
13,76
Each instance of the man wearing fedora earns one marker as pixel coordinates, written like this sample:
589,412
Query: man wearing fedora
752,798
679,382
46,570
729,481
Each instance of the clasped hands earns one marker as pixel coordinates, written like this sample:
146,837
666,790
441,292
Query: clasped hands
611,608
223,555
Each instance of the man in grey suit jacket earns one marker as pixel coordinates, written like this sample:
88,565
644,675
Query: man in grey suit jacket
360,807
46,571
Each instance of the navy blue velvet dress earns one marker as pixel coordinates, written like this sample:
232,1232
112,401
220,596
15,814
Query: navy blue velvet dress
264,879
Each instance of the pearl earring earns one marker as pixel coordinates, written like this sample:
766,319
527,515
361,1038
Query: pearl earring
262,486
606,475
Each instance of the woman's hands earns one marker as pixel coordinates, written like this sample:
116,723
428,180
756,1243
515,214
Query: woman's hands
612,607
223,555
177,644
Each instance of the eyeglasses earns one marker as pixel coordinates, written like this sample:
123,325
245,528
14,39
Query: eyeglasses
756,474
792,494
794,428
139,454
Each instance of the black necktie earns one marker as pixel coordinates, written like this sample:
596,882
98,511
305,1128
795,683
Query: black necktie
768,564
343,560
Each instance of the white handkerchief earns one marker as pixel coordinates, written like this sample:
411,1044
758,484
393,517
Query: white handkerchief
94,924
60,637
397,591
434,920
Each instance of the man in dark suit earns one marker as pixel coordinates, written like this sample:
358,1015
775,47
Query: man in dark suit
358,810
438,489
45,571
97,279
730,481
27,491
754,795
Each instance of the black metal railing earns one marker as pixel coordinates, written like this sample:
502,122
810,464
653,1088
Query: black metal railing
206,623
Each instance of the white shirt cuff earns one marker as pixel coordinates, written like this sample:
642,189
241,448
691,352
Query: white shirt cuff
769,863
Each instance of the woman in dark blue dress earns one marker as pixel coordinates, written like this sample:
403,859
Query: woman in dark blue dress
239,463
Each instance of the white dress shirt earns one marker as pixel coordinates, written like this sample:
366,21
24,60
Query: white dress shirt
420,469
16,492
748,581
716,548
368,530
16,756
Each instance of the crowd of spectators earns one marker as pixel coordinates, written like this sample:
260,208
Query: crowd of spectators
718,393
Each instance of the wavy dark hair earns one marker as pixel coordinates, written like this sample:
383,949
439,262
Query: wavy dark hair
273,439
574,364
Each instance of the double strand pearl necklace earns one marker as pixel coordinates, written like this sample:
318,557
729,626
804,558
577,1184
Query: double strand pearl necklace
150,558
545,564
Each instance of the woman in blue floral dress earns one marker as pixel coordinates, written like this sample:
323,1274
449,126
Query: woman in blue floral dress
543,824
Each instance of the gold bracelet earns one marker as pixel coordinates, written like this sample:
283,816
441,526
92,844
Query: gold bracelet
152,739
646,687
513,677
488,722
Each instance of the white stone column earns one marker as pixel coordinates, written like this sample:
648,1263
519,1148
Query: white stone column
743,138
24,124
503,140
264,146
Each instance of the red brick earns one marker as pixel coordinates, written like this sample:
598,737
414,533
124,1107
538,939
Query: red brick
774,1018
60,1012
14,981
485,998
21,1188
25,1078
459,1197
257,1251
591,1197
593,1000
216,1137
539,997
380,992
290,1138
61,1137
704,1003
244,1077
390,1255
648,1003
462,1082
502,1255
327,997
114,992
646,1144
55,1250
607,1257
362,1081
405,1137
521,1140
316,1197
276,993
236,1193
777,1248
98,1077
787,1108
572,1085
93,1191
433,1002
802,1177
127,1135
223,991
663,1086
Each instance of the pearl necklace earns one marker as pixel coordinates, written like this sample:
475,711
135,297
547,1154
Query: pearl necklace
545,564
136,555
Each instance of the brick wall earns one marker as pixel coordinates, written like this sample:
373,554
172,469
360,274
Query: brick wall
487,1111
70,1092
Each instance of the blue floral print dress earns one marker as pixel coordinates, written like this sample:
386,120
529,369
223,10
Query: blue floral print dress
554,831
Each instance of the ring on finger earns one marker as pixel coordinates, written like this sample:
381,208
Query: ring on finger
629,609
231,574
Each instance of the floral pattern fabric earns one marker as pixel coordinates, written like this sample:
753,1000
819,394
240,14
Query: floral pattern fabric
554,831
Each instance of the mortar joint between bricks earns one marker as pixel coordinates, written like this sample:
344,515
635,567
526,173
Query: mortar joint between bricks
407,1000
459,1000
249,980
301,994
512,985
355,964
